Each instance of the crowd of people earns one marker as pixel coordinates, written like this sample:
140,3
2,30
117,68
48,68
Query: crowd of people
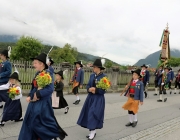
40,123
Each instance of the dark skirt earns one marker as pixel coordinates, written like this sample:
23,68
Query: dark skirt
4,96
62,103
12,110
40,122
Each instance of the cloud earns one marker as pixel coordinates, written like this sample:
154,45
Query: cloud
126,30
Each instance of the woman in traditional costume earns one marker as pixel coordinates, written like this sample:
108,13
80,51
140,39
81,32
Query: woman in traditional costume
39,121
92,113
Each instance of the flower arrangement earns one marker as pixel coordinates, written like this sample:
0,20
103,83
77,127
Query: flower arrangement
142,73
13,91
104,83
43,79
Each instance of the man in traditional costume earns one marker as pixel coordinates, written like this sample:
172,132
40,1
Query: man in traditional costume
177,82
158,75
163,84
172,78
135,97
144,77
39,121
92,113
77,80
5,72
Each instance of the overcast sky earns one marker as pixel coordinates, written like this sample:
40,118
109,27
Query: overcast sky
127,30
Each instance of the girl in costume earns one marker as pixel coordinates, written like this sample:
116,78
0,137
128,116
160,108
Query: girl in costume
135,97
39,121
58,85
13,108
92,113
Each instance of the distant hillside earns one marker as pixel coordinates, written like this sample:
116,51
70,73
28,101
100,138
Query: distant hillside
81,56
8,38
154,57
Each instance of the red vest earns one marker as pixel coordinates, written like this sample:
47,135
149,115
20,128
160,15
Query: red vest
132,88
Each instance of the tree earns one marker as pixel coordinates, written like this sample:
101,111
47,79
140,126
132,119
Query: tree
26,48
65,54
174,62
108,64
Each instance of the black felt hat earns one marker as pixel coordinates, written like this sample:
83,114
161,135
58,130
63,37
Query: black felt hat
15,75
51,60
138,72
5,53
60,73
98,64
144,66
78,62
42,57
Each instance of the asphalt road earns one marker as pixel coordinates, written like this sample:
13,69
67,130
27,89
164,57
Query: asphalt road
155,120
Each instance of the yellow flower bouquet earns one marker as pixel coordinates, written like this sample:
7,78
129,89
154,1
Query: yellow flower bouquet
43,79
13,91
104,83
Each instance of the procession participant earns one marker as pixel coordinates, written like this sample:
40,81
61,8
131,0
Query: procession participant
158,74
50,63
172,78
163,84
77,80
13,108
177,82
92,113
39,121
135,97
5,72
59,102
144,77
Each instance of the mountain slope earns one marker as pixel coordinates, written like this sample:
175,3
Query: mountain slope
154,57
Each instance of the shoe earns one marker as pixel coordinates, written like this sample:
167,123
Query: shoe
134,124
77,102
159,100
170,92
93,137
145,94
179,92
19,120
67,109
1,106
165,99
155,94
174,92
87,136
129,124
2,123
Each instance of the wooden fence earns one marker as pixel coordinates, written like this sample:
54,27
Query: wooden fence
26,74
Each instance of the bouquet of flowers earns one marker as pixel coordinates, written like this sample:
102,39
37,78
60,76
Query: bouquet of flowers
104,83
43,79
13,91
55,84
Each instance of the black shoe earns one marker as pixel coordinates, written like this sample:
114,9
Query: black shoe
165,99
77,102
19,120
134,124
159,100
67,109
179,92
129,124
170,92
2,124
174,92
93,137
145,94
87,136
1,106
155,94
